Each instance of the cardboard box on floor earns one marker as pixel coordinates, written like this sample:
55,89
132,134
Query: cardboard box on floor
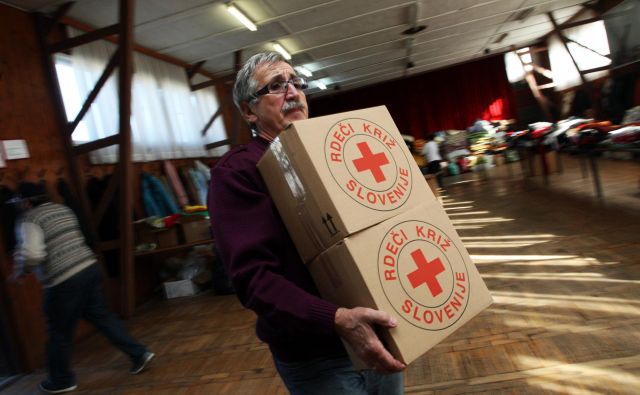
413,266
335,175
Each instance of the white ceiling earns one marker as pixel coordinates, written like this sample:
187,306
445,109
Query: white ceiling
349,43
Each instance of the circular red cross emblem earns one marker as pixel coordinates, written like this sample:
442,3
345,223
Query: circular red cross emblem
368,164
423,275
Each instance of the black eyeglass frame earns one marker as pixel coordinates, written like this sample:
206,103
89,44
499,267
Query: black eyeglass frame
300,83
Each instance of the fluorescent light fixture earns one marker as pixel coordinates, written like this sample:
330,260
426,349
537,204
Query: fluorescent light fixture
305,71
282,51
241,17
321,85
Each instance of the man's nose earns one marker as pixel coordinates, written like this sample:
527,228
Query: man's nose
291,90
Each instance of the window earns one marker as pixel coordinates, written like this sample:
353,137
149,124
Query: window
589,47
167,118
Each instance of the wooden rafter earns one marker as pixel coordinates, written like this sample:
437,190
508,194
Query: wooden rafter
43,27
218,144
212,119
587,48
108,70
121,181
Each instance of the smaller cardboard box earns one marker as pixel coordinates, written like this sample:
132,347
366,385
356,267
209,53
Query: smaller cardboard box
180,288
195,228
413,266
335,175
166,237
162,238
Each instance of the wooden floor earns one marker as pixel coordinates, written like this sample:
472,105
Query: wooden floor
563,267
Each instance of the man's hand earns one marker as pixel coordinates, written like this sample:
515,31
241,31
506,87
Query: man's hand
356,327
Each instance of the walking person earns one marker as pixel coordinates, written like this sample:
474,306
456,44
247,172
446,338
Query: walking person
431,153
50,243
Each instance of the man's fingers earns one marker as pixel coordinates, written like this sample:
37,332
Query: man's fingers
381,318
388,364
382,360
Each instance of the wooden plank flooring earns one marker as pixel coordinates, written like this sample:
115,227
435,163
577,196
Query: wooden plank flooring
564,269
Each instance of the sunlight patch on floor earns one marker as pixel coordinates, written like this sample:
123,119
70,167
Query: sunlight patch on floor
458,208
503,244
539,236
468,213
554,276
577,372
450,202
506,258
481,220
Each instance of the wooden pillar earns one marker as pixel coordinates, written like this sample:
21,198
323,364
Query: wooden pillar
127,268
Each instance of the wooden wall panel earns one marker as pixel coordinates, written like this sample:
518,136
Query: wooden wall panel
26,112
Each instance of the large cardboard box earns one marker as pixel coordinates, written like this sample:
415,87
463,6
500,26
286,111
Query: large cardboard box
413,266
335,175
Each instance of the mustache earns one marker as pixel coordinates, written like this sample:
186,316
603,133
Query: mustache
293,105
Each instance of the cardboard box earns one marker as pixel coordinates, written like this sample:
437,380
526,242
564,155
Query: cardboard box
413,266
180,288
335,175
162,238
195,228
166,237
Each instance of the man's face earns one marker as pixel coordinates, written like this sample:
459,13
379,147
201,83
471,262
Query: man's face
273,112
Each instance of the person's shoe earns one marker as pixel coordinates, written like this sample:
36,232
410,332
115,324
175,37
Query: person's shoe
142,363
50,387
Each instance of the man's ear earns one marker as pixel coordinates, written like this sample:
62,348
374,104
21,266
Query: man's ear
247,113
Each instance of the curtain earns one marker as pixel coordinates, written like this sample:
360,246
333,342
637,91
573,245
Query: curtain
167,118
452,98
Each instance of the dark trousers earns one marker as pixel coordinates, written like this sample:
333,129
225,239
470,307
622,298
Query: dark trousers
434,168
81,296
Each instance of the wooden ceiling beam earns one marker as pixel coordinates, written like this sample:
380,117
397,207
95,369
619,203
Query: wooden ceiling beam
84,38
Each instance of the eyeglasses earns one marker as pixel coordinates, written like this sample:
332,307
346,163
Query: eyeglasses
278,86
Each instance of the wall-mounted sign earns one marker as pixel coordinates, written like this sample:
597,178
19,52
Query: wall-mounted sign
15,149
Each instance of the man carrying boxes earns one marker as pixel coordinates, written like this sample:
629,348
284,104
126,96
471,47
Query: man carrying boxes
375,252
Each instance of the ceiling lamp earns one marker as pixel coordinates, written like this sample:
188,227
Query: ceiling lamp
282,51
241,17
321,85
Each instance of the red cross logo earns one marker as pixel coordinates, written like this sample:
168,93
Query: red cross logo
370,161
426,273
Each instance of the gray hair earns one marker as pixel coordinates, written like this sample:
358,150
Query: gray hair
246,85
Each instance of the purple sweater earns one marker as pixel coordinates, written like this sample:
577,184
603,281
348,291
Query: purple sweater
268,275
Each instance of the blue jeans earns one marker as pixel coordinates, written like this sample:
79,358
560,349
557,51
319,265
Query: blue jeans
81,296
336,376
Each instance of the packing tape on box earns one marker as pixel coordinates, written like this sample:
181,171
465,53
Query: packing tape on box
297,189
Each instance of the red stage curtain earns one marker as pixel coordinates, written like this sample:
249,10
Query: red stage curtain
452,98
